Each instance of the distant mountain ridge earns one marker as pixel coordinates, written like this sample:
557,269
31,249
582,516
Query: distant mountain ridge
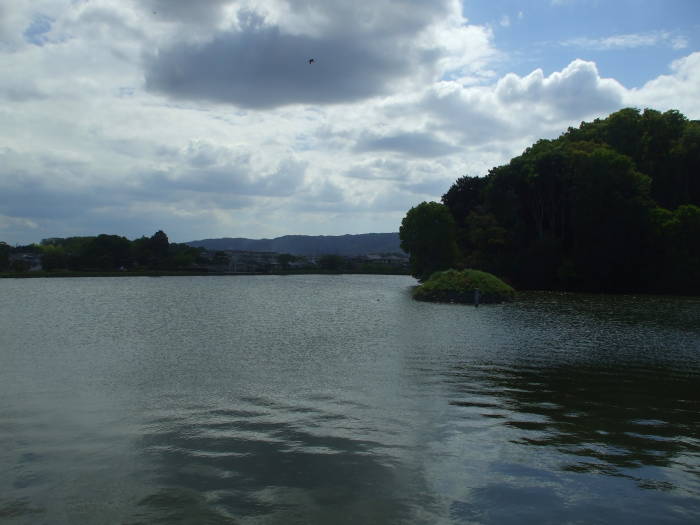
360,244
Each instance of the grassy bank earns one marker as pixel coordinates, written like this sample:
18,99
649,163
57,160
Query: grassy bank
454,286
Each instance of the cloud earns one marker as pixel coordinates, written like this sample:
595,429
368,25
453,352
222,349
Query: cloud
379,169
205,119
12,223
416,144
575,91
56,190
208,13
630,41
237,177
13,20
261,59
471,112
261,67
677,90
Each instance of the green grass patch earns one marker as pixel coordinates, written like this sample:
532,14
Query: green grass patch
457,286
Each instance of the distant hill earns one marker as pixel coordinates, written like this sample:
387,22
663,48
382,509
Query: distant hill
310,244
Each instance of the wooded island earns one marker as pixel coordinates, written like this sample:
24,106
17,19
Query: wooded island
610,206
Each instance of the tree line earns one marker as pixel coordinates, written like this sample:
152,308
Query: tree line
112,253
104,253
610,206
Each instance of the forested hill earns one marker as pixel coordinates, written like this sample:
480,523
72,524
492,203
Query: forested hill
309,244
610,206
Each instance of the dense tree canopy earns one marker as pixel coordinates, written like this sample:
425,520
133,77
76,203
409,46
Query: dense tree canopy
113,252
428,235
609,206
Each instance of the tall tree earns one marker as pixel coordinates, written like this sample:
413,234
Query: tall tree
605,207
428,235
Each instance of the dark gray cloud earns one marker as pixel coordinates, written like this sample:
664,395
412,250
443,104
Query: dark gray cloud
360,50
261,67
34,198
414,144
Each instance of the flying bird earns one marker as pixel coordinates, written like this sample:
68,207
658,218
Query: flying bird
312,60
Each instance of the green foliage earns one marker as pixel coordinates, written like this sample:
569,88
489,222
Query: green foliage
661,145
4,256
285,259
459,286
182,256
583,212
331,262
53,257
19,266
107,253
428,235
159,244
677,234
609,219
465,195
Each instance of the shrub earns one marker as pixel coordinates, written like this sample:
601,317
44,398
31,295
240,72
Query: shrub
458,286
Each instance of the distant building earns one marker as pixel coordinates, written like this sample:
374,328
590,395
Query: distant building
239,261
245,261
390,259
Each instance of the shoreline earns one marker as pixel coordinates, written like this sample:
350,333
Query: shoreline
175,273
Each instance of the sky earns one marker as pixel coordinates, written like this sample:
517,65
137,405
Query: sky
205,119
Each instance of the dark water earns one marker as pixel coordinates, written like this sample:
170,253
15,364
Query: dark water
337,399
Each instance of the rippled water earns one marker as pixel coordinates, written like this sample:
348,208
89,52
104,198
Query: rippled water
337,399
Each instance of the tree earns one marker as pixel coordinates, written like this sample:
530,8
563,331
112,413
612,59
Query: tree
677,235
4,256
284,259
428,235
183,255
464,196
107,252
685,166
151,251
609,219
19,266
590,210
331,262
160,243
53,257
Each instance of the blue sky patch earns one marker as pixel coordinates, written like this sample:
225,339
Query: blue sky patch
37,30
632,40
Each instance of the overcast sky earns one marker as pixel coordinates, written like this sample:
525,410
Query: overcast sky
205,118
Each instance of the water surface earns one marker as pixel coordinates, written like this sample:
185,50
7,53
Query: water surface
338,399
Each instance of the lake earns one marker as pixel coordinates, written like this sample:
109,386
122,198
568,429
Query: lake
337,399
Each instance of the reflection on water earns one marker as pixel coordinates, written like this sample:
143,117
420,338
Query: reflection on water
598,419
337,399
263,459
